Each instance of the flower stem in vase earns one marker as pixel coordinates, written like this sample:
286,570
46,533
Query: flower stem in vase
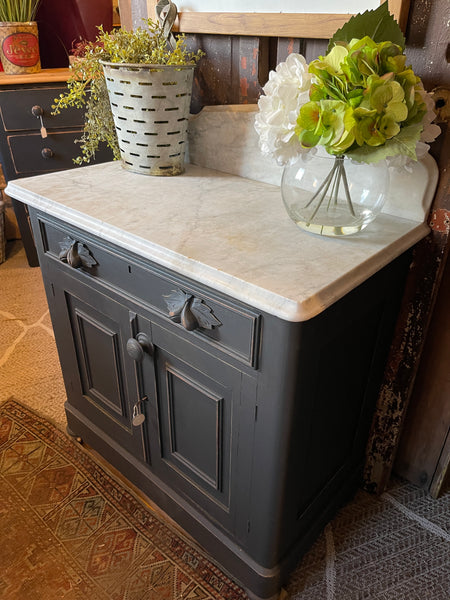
332,195
334,177
347,191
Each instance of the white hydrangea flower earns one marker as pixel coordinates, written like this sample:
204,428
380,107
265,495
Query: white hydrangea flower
285,93
430,130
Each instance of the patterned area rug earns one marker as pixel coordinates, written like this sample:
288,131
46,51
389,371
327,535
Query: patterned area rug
69,531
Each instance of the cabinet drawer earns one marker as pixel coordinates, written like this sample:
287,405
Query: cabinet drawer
16,105
237,332
32,154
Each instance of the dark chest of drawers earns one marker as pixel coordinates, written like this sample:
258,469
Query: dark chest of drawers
32,140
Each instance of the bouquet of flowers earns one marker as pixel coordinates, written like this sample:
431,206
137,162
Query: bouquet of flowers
360,99
361,102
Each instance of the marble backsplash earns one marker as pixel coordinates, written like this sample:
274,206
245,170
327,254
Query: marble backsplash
224,138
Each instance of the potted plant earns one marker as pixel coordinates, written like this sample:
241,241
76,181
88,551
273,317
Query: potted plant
136,88
19,45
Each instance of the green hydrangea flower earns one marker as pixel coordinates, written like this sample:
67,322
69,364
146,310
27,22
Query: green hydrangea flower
362,95
326,123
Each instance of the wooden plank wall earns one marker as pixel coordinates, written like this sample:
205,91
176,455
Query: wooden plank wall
236,68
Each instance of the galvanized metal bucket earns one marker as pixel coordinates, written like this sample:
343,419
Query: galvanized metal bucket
150,106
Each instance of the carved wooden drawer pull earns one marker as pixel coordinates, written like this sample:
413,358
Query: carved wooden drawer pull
190,311
75,254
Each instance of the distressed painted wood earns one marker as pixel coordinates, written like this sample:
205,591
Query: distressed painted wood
286,46
230,71
427,41
428,22
419,300
422,457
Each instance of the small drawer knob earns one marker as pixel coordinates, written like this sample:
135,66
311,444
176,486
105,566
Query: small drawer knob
47,153
37,110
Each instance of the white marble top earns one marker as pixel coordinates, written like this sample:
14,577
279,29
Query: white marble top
225,231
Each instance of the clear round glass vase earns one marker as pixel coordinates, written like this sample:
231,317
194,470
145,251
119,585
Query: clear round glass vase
333,195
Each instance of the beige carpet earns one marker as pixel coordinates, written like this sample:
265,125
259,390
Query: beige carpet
29,365
396,547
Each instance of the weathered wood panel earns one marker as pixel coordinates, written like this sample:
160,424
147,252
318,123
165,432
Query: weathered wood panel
229,71
428,41
427,421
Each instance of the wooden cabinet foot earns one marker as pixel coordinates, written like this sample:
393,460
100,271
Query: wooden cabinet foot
72,434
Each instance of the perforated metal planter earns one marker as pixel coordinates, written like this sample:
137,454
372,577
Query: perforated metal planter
150,106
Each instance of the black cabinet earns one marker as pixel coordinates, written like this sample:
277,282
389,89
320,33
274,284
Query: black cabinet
155,389
24,110
250,434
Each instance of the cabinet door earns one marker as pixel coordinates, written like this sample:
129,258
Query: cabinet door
102,381
197,434
204,404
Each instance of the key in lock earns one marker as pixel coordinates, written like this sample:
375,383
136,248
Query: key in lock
138,416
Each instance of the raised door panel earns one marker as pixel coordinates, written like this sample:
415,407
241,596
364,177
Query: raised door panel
200,408
97,341
101,379
196,430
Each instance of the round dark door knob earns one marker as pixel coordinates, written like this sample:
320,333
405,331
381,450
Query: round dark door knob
140,345
37,110
47,152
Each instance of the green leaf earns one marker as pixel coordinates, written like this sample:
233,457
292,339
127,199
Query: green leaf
378,24
403,143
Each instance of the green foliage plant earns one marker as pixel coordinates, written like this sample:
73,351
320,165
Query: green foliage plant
364,100
87,85
18,11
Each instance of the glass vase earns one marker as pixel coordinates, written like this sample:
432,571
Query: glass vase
332,195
